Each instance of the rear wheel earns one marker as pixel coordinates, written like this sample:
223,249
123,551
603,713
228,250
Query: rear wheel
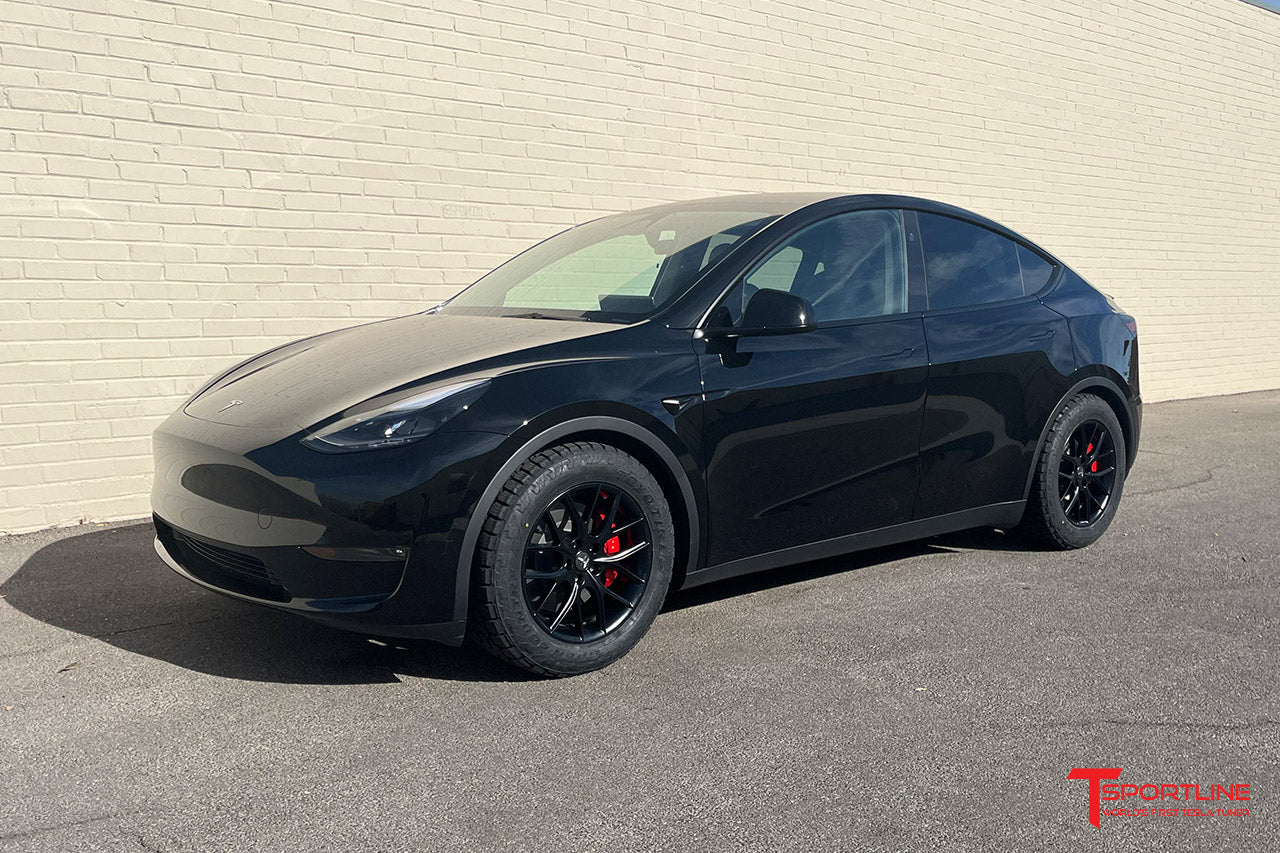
574,560
1079,476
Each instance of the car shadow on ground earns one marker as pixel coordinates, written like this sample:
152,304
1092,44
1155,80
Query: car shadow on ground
111,586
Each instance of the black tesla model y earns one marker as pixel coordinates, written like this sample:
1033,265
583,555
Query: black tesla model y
650,401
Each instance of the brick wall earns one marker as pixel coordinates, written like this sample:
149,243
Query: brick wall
185,183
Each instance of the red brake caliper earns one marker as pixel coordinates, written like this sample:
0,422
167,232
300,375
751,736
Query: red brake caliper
611,547
1094,466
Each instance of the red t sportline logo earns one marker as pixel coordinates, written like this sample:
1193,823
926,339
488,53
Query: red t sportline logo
1182,792
1095,775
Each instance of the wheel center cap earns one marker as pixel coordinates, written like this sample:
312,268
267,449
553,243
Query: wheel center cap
581,560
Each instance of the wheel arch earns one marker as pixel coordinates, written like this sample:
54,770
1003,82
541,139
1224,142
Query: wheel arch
627,436
1108,390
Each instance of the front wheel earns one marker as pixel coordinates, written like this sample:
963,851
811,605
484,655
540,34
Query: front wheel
574,560
1079,476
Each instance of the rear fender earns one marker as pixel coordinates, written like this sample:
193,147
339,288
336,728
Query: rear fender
1102,382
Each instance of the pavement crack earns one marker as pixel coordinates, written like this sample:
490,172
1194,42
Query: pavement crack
1171,724
40,830
1199,481
165,624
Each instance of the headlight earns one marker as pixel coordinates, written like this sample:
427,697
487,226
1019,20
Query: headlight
383,423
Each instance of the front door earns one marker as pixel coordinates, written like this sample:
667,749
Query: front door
813,436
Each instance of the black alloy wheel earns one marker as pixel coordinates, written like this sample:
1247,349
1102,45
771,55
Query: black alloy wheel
1079,476
1087,473
586,564
574,560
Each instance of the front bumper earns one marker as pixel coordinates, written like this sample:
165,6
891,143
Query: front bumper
362,541
287,576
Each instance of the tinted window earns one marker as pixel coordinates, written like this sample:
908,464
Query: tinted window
1035,270
849,267
779,271
966,264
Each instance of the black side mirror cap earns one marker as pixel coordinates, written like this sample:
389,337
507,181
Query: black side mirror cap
770,312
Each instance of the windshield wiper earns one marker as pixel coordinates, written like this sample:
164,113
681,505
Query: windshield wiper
538,315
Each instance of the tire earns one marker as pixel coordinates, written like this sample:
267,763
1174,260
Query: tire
1069,461
537,528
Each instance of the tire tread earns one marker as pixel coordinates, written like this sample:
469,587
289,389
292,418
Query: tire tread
490,632
1037,523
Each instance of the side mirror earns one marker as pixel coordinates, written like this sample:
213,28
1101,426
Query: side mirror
770,312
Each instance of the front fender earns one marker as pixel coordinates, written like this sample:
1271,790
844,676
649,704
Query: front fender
661,445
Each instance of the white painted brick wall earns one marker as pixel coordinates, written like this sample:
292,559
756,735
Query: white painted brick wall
185,183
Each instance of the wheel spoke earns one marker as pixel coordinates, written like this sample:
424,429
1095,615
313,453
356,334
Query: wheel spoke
620,599
603,588
1100,473
572,512
591,510
547,597
1088,499
564,611
558,574
1097,448
611,517
600,611
549,522
627,573
1066,510
630,524
555,549
623,554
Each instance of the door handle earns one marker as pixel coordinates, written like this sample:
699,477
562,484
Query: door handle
1042,335
894,356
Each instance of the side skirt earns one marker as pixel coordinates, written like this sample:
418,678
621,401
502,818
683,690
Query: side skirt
995,515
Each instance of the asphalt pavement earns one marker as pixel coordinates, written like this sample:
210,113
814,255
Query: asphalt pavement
932,696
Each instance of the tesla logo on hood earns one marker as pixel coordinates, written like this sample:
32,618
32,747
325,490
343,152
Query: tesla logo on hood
231,405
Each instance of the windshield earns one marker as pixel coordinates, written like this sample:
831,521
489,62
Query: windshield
617,269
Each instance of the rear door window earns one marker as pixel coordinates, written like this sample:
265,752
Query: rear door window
966,264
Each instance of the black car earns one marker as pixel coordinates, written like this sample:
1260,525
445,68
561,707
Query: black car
652,401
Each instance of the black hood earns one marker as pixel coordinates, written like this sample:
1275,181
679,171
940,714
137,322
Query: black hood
302,383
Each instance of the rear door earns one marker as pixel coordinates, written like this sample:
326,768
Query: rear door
998,360
813,436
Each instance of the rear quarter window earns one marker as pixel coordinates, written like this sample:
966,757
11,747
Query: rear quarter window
1036,271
